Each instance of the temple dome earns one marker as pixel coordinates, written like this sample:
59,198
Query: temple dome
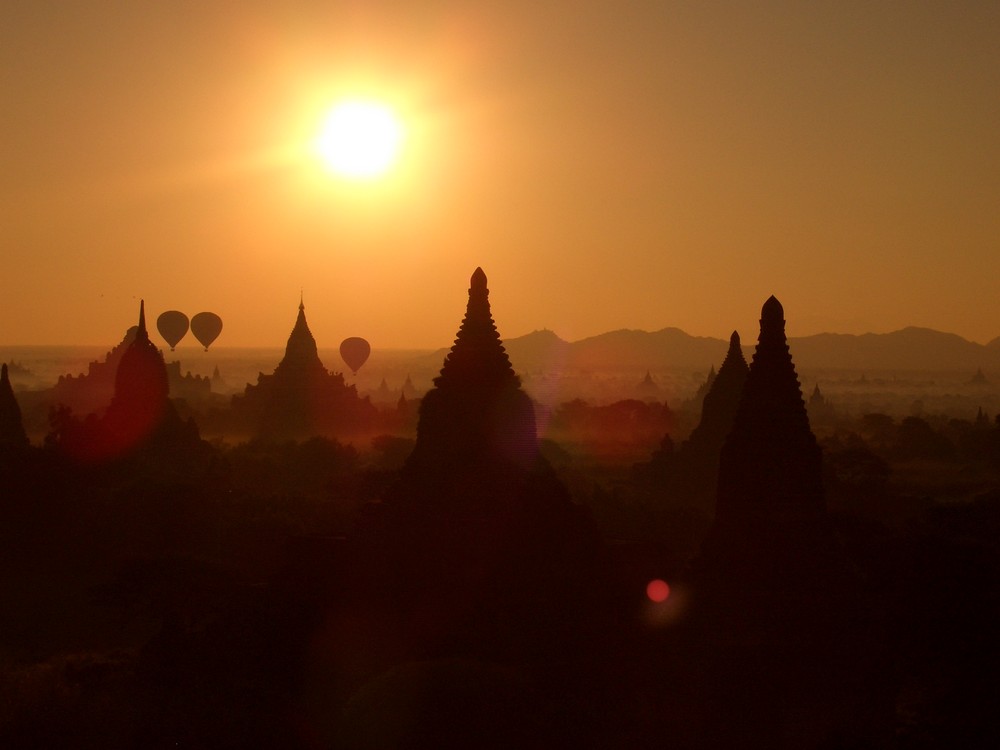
772,315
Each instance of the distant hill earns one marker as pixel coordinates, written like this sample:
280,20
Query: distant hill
908,349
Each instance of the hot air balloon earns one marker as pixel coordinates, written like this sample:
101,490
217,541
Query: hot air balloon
354,351
206,327
173,326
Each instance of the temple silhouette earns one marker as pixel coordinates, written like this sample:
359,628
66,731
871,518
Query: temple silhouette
721,402
13,438
770,488
140,416
778,614
476,497
301,398
475,557
450,590
91,391
689,474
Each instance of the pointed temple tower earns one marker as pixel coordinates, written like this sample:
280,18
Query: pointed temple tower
689,476
722,401
140,401
694,472
770,468
13,438
781,627
140,420
301,398
770,530
476,418
478,522
476,486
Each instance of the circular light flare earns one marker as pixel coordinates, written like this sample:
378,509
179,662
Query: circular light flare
657,590
360,139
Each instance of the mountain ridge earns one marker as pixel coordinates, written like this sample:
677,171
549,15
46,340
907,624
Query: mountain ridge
907,349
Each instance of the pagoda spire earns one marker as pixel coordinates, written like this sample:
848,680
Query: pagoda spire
478,357
722,400
141,330
301,349
476,411
771,458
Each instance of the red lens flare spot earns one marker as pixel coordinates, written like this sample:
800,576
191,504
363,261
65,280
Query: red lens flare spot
657,590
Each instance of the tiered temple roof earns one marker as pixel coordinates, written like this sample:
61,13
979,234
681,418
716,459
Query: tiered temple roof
476,413
301,398
722,401
142,390
771,459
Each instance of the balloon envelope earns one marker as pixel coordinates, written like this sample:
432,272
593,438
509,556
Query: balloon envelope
173,326
206,327
354,351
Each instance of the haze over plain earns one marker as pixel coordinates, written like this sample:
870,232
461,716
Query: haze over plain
609,167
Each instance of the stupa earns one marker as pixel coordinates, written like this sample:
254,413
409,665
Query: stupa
771,463
476,489
142,390
721,402
301,398
476,418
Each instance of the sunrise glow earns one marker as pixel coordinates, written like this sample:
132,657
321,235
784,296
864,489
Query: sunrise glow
360,139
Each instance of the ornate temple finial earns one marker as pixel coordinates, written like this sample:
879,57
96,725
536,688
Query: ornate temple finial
772,316
301,346
478,282
141,332
734,340
302,304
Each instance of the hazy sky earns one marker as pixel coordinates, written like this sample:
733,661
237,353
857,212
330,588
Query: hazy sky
609,165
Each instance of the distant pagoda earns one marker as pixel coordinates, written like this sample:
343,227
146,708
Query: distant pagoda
772,592
476,415
140,417
302,398
721,402
771,460
689,475
770,504
647,389
141,388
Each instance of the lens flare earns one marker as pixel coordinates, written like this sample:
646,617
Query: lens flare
657,590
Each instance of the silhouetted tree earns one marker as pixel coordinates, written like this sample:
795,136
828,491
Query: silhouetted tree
916,439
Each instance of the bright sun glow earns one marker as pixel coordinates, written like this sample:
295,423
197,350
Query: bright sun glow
360,139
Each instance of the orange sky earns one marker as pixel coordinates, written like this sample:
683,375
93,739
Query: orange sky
609,166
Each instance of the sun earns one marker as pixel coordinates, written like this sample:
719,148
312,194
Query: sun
360,139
